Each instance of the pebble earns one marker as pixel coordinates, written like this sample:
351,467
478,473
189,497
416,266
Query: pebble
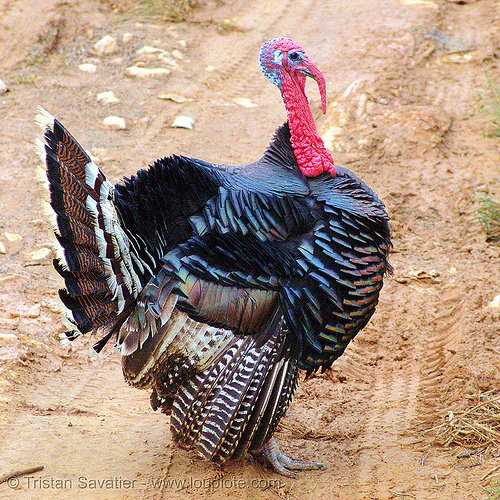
167,59
127,38
495,303
40,254
245,102
12,237
2,248
106,45
3,87
138,72
148,49
88,67
107,97
115,122
7,337
178,98
183,122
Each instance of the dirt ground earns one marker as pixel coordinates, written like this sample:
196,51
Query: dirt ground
408,84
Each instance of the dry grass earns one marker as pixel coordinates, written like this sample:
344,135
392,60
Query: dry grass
476,427
171,10
489,216
494,109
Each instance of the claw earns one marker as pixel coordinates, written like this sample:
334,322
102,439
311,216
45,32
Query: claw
281,463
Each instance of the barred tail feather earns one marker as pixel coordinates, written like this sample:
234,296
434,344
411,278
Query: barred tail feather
92,249
280,398
222,410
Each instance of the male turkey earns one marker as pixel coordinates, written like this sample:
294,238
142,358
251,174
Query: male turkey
221,283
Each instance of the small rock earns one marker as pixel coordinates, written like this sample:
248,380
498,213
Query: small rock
495,303
2,248
127,38
106,45
13,237
115,122
178,98
40,254
177,54
245,102
3,87
33,311
107,97
88,67
183,122
167,59
7,337
148,49
137,72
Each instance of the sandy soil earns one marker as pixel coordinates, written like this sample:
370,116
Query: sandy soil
408,84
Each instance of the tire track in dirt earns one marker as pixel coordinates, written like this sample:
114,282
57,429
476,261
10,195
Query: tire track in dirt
237,73
61,428
291,15
408,397
30,19
444,340
391,412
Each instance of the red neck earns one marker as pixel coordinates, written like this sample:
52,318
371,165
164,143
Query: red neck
310,151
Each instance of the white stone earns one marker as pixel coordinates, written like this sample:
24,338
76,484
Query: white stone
107,97
127,38
137,72
12,237
88,67
183,122
167,59
7,337
3,87
115,122
148,49
2,248
40,254
106,45
245,102
495,303
178,98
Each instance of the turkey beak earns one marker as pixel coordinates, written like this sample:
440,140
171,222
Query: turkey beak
313,72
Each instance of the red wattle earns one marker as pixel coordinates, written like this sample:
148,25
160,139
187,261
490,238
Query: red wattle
312,156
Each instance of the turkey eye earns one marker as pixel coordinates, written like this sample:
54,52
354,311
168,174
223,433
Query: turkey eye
293,56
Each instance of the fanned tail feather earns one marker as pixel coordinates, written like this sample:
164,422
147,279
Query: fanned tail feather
92,249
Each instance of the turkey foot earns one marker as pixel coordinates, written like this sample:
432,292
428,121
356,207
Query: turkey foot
281,463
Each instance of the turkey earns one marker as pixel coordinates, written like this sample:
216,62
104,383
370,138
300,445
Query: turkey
221,284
